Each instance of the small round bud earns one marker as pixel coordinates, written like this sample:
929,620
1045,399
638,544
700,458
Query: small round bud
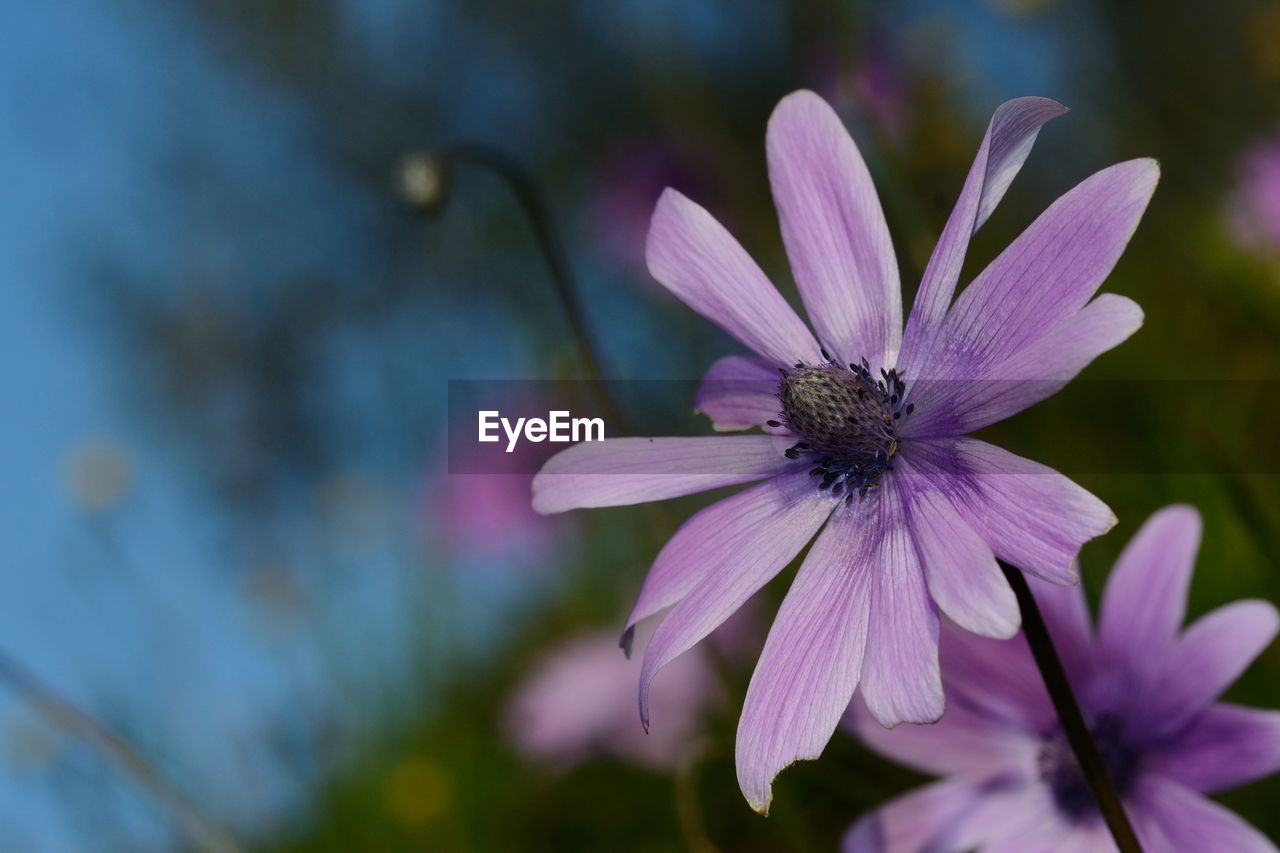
422,181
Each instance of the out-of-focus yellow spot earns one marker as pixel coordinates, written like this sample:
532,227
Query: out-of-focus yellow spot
417,792
95,474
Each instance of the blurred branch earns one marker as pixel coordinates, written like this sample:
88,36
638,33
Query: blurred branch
198,826
532,201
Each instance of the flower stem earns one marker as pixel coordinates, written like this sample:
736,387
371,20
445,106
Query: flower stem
532,201
1073,724
200,829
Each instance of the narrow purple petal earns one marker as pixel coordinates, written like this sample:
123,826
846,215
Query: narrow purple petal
957,406
715,538
995,680
622,471
933,817
1170,816
1005,147
965,741
834,231
1206,660
735,571
1146,596
1226,746
1047,274
1030,515
739,392
963,577
695,258
901,682
813,656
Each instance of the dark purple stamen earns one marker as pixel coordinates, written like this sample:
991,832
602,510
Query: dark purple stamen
1059,770
848,421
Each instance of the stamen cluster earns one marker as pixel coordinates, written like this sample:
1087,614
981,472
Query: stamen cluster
847,420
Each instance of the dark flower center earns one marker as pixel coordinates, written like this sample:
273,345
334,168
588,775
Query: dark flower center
847,421
1060,771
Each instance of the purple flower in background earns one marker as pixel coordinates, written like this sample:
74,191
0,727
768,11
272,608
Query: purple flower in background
866,447
578,702
1147,691
1254,208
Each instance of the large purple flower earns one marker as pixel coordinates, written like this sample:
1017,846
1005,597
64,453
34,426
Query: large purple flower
1147,691
866,446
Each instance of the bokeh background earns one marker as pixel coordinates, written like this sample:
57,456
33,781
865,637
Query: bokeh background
229,535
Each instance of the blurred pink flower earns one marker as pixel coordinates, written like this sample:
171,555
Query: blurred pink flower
1253,211
579,702
487,514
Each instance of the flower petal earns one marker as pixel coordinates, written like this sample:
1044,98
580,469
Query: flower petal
964,741
1045,275
1206,660
1146,596
1005,147
695,258
623,471
1030,515
739,392
1169,816
996,680
1228,745
834,231
810,664
716,537
933,817
901,682
957,406
732,572
961,571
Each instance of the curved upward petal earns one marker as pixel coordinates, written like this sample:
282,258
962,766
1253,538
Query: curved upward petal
1047,274
1005,147
694,257
736,573
623,471
1146,596
739,392
834,231
811,661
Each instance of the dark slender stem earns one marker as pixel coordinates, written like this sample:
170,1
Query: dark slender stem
1064,702
530,196
199,828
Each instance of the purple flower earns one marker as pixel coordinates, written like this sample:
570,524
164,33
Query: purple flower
1147,691
1254,208
866,447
